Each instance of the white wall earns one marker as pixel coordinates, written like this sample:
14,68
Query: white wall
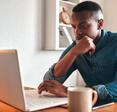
110,12
21,27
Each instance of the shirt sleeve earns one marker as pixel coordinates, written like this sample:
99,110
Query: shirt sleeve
49,75
107,91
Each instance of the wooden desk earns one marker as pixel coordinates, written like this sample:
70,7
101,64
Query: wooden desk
7,108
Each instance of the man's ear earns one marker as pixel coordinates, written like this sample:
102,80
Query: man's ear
100,23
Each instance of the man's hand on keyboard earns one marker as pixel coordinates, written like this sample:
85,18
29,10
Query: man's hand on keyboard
54,87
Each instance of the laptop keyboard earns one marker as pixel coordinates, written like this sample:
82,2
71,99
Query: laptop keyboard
33,99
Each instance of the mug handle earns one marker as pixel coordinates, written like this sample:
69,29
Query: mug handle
95,97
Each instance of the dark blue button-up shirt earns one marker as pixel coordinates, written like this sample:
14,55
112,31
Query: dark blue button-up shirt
99,70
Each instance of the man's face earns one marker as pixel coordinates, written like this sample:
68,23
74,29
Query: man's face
85,24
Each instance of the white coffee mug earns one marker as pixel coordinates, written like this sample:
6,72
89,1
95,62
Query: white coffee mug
81,99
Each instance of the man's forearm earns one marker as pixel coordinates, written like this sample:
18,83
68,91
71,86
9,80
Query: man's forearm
64,64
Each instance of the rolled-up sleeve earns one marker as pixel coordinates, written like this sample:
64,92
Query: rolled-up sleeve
49,75
108,90
102,91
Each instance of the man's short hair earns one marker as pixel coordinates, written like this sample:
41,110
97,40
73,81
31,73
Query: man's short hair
89,6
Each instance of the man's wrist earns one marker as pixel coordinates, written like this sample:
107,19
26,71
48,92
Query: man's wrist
73,52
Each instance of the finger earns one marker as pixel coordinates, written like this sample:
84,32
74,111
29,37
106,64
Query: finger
88,38
45,86
45,83
42,89
93,49
41,85
50,83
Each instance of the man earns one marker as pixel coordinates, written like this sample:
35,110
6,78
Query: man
93,53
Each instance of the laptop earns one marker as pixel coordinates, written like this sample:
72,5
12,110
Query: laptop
12,91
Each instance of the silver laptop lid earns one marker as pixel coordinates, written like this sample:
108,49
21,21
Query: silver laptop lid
11,90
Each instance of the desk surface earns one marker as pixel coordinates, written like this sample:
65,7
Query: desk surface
7,108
